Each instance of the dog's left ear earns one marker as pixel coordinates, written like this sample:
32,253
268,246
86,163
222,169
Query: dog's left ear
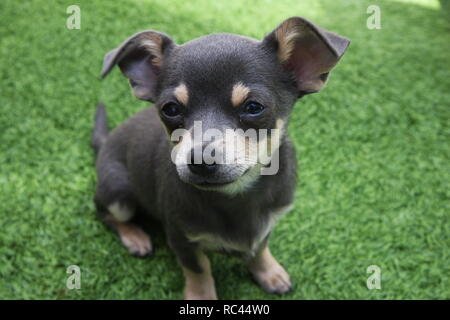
307,51
140,58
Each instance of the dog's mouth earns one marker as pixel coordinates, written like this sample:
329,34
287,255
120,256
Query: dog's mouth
213,185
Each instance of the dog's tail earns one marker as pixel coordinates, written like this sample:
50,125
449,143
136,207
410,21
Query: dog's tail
100,132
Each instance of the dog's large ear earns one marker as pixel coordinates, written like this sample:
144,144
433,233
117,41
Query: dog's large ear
140,58
306,51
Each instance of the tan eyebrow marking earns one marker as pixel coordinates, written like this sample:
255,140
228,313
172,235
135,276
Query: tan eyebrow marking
182,94
239,94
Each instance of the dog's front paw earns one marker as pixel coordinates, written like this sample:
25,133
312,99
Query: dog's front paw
204,291
268,273
189,295
273,280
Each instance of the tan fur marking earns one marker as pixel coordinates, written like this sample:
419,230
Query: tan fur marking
239,94
182,94
200,286
287,34
133,237
153,44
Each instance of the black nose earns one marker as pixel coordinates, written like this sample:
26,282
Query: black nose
202,168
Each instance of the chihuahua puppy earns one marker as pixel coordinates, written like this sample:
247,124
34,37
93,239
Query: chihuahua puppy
221,82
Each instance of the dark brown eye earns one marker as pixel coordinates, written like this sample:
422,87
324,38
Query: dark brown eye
253,108
171,110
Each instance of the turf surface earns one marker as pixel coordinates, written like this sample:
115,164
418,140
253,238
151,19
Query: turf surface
373,150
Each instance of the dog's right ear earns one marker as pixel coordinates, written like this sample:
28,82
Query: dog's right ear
140,58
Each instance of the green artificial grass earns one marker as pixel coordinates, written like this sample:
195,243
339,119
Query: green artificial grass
373,151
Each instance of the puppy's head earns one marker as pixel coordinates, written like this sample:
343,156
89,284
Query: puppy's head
224,99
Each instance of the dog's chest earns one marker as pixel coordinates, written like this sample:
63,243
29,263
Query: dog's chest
213,241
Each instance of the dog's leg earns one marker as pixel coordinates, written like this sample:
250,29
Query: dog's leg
199,285
268,273
132,236
116,204
199,282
